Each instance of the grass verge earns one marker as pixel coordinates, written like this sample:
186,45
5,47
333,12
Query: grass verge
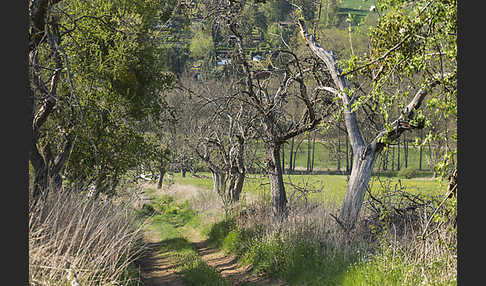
308,250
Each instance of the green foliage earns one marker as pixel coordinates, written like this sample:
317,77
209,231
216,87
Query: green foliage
201,44
112,81
277,10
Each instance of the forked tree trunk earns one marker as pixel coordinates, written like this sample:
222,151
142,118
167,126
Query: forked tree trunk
364,155
237,172
274,172
356,189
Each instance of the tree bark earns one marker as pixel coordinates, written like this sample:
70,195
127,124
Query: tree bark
161,177
237,171
347,156
356,189
219,183
274,172
40,172
38,13
235,187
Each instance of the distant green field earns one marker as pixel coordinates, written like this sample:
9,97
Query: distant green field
324,160
357,4
331,188
357,8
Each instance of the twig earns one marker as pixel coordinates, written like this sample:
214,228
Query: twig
339,222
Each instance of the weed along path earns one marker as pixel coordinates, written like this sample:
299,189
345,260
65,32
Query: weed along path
179,255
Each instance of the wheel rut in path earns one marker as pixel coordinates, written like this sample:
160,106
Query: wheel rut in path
157,268
227,265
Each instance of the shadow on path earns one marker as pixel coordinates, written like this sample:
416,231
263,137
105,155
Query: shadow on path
156,266
227,265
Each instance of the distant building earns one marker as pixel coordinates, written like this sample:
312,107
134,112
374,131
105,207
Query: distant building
257,58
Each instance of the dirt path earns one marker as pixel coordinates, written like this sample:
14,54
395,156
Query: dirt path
227,265
158,269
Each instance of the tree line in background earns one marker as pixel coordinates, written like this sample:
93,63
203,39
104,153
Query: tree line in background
124,88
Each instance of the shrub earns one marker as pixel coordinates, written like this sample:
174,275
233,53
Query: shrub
147,210
407,173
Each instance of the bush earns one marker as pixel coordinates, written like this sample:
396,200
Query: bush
147,210
407,173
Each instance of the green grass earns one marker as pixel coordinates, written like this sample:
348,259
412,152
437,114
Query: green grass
295,261
204,183
333,187
324,160
357,4
300,261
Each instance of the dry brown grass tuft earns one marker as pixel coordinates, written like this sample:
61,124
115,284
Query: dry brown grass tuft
73,237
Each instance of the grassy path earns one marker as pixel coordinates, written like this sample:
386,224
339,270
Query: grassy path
158,267
226,264
179,255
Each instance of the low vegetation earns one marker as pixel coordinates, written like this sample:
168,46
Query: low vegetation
405,236
311,249
72,237
329,188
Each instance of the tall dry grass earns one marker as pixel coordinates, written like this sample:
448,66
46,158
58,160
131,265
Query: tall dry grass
74,238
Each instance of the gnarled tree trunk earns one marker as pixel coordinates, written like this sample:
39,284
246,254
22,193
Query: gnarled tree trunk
363,162
364,156
274,172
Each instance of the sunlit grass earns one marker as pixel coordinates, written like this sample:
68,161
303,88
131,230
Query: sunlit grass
327,188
